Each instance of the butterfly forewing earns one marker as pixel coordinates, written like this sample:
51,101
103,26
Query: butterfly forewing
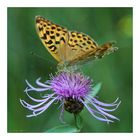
53,36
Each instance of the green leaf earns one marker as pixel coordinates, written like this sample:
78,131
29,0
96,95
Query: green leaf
96,89
78,121
63,129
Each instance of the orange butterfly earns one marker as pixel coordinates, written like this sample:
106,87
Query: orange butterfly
70,47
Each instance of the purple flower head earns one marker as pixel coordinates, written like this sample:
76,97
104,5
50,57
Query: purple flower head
73,85
73,92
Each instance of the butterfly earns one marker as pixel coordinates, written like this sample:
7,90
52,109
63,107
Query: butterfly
70,47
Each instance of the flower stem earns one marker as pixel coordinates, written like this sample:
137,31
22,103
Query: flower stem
78,121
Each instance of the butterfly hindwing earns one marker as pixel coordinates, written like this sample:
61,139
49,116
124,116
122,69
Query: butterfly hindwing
82,45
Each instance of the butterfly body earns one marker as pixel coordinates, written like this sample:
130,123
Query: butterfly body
69,47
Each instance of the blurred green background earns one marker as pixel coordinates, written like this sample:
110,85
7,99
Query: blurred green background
114,71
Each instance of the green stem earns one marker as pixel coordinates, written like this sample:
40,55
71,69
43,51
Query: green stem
78,121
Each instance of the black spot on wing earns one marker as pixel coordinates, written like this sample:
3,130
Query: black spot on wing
44,36
92,47
95,44
37,21
79,45
52,32
48,24
84,44
58,29
57,42
52,37
47,32
71,45
88,42
57,34
49,42
79,36
40,28
73,35
84,38
52,48
53,27
62,38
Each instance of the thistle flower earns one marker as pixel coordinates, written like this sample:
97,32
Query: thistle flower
73,92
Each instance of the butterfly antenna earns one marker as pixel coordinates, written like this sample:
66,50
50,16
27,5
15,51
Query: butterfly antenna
34,54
